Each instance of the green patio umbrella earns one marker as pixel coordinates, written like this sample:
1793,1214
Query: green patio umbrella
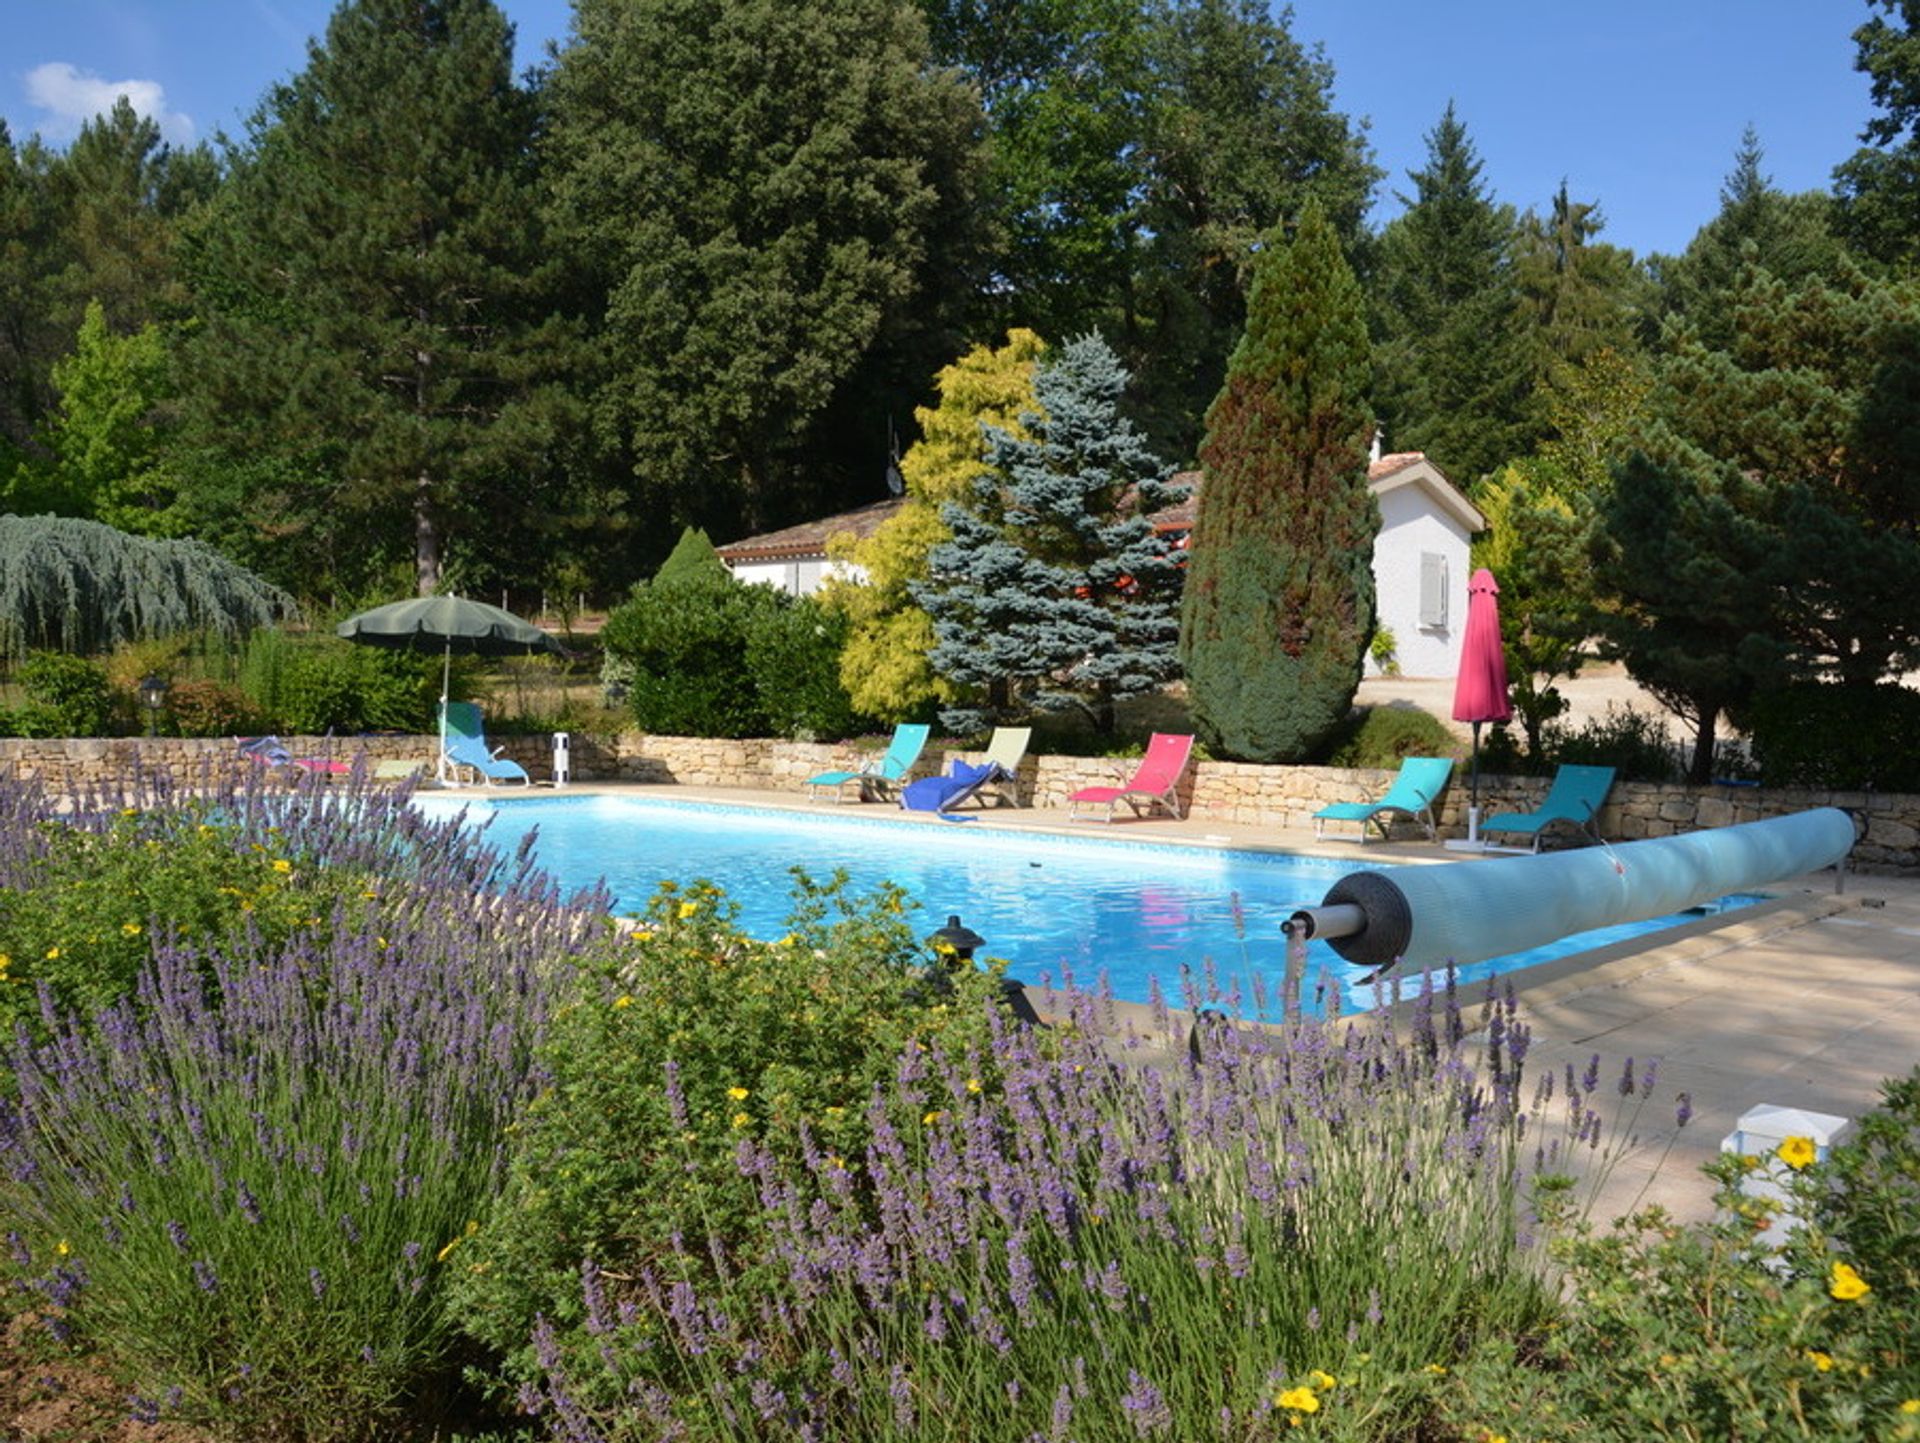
447,624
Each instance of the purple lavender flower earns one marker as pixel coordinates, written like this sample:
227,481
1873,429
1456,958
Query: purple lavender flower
177,1232
317,1280
1626,1079
1146,1407
1683,1110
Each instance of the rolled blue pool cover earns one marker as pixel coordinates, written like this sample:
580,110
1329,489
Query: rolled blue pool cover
1467,912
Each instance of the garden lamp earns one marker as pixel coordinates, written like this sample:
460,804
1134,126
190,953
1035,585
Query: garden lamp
956,942
153,696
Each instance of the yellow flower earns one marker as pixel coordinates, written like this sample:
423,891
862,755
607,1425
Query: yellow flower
1300,1400
131,929
623,1001
740,1119
1796,1152
1847,1285
738,1094
63,1247
1322,1381
687,909
1911,1405
1822,1361
973,1084
1439,1370
52,952
282,865
931,1118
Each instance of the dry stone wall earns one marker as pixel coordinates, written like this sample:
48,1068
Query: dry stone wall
1223,792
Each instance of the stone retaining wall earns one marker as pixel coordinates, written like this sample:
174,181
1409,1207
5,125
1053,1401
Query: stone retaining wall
1224,792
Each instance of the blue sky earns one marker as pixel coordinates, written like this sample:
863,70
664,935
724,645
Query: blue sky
1636,103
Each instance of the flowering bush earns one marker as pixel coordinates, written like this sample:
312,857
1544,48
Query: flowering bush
1302,1227
692,1042
244,1183
82,896
1715,1332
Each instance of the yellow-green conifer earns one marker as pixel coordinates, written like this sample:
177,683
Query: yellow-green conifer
884,666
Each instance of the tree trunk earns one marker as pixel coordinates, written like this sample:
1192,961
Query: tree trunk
1700,771
426,540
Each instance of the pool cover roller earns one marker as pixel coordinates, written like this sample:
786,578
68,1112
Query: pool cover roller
1426,916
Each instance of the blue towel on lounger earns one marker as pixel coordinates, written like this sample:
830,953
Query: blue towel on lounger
933,794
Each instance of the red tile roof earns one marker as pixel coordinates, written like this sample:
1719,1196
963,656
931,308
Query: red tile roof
810,538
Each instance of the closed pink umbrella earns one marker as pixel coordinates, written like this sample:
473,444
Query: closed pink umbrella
1480,691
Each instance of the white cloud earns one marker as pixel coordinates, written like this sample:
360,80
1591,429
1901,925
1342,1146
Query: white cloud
71,97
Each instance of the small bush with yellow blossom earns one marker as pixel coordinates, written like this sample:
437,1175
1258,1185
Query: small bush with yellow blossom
1713,1331
694,1041
84,897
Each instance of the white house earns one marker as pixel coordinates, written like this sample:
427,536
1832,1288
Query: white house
1419,559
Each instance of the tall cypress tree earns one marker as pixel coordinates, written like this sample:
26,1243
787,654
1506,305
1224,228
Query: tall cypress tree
377,302
1055,591
1279,600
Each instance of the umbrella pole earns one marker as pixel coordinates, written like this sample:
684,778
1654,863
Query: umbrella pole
440,768
1473,794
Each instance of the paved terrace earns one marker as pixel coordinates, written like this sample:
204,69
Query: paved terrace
1808,1001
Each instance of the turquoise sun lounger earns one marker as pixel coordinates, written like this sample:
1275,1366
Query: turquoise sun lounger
880,781
1575,797
1412,795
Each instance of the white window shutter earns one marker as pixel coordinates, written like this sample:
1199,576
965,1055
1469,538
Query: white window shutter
1433,589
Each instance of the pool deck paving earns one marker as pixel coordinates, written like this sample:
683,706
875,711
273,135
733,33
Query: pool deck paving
1807,1002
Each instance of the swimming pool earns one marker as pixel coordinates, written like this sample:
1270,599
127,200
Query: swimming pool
1052,906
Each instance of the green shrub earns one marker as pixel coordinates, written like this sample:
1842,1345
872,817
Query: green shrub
1845,737
686,642
1384,651
1634,743
704,654
1713,1332
199,707
78,921
695,1040
67,696
312,685
1384,736
793,653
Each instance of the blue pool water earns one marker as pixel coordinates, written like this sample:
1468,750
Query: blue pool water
1051,906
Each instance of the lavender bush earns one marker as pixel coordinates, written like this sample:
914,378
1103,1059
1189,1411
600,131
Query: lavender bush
248,1182
1312,1223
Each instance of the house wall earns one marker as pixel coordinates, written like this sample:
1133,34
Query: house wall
798,578
1409,525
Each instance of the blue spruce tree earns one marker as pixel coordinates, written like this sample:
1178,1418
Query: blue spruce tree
1055,592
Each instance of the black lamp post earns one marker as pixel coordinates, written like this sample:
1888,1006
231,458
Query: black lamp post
956,942
153,696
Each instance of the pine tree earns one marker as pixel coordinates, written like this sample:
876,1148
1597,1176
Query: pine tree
1756,225
1452,383
1055,590
380,353
884,666
1279,601
778,201
1879,187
